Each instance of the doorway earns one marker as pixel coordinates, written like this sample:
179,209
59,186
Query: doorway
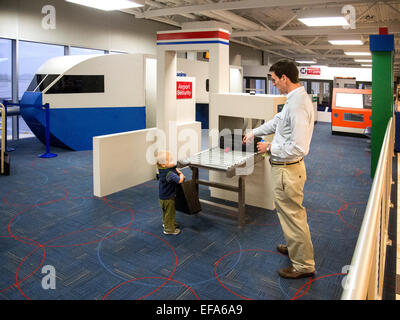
323,89
257,84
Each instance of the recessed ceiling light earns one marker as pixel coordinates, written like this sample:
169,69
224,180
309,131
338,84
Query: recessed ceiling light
109,5
323,17
358,53
345,39
363,60
306,61
324,21
366,65
345,42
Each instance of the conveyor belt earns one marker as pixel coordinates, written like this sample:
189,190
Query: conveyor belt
221,160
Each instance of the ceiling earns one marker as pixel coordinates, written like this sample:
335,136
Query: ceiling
272,25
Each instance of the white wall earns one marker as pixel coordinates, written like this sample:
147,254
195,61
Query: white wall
236,79
151,91
200,71
119,160
79,26
248,56
255,71
328,73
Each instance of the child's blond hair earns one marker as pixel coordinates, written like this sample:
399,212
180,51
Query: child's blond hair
163,157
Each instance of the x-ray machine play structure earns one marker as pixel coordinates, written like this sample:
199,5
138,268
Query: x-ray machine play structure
232,111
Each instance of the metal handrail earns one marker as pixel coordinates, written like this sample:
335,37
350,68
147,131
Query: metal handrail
365,277
3,136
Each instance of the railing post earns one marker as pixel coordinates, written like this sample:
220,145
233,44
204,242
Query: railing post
373,278
48,154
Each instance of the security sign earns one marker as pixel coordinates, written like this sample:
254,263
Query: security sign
310,71
183,90
314,71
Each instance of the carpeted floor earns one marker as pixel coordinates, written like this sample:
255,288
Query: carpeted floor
114,248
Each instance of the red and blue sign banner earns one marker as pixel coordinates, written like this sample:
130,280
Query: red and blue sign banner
310,71
192,37
184,90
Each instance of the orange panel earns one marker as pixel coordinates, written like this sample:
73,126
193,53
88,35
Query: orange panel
339,121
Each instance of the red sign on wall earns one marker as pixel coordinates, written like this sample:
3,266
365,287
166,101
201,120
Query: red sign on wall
310,71
314,71
183,90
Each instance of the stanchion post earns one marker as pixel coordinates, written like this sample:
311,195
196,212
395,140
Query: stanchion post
7,149
48,154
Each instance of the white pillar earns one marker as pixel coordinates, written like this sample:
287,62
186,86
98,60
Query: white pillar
219,81
166,91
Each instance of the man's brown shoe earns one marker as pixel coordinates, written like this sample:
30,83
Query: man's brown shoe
292,273
282,248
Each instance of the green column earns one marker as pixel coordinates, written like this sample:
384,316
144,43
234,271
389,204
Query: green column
382,93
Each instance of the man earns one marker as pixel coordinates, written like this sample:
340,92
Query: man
293,128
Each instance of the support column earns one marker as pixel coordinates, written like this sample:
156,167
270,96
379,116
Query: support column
219,80
382,47
166,92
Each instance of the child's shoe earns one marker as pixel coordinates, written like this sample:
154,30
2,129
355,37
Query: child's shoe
176,225
175,232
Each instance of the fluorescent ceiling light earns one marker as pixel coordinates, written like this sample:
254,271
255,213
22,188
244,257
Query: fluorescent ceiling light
323,17
366,65
358,53
306,61
324,21
363,60
109,5
345,39
345,42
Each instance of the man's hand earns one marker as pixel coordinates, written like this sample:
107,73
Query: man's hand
181,177
262,146
248,138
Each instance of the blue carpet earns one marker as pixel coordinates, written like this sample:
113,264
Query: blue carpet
114,248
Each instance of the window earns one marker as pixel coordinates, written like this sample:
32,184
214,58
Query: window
349,100
78,84
272,89
31,56
255,84
117,52
355,117
367,99
5,69
304,84
43,80
76,50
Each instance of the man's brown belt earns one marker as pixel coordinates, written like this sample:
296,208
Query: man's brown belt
274,163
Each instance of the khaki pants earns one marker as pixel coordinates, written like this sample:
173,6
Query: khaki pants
168,214
288,183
